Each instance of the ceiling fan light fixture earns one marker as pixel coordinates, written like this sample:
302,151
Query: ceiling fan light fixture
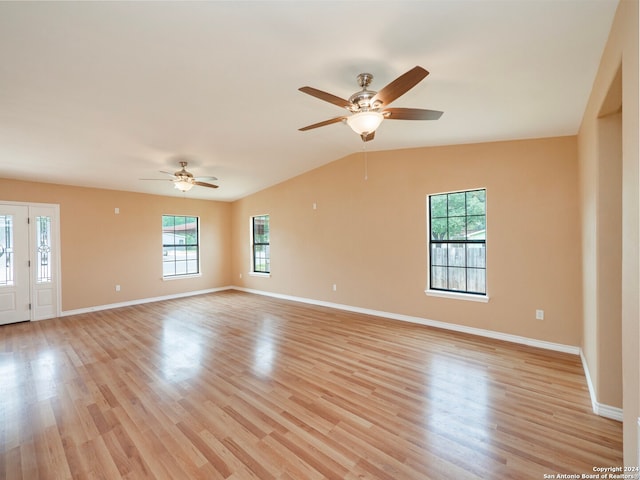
365,122
183,185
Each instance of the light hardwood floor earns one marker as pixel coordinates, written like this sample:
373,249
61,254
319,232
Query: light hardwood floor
238,386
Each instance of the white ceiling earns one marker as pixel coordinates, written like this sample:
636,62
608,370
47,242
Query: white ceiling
103,94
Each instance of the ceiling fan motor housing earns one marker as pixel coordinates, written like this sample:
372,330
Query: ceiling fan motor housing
183,173
362,101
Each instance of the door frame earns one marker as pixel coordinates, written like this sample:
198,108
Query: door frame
55,237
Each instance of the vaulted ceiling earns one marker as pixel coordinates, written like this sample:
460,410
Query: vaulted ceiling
103,94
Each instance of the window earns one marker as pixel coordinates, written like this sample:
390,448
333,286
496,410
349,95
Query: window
180,246
457,242
43,234
260,244
6,250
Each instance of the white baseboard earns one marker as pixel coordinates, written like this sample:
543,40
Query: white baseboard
607,411
558,347
637,462
141,301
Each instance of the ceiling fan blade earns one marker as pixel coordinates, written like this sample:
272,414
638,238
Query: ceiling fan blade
322,124
367,137
167,173
411,114
158,179
213,179
327,97
203,184
400,86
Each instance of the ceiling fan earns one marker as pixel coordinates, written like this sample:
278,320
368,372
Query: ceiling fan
184,180
367,108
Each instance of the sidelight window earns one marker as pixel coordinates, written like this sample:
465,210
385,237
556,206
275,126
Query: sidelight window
6,249
43,251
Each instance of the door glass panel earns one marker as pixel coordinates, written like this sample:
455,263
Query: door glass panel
43,227
6,249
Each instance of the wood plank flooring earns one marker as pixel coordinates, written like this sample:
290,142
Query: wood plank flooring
238,386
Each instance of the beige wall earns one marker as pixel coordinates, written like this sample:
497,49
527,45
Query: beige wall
101,249
368,236
609,260
610,184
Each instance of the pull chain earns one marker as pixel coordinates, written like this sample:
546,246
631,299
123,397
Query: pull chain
366,161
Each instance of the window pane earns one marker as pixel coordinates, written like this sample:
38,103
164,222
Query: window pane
476,280
181,267
192,266
190,230
168,221
456,255
439,277
456,207
6,249
439,229
457,278
438,206
457,228
476,227
168,268
476,202
476,255
43,236
439,254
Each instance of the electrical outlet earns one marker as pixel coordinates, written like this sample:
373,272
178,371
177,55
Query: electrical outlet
539,314
117,288
335,287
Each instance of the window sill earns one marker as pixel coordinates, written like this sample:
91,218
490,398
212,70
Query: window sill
258,274
179,277
458,296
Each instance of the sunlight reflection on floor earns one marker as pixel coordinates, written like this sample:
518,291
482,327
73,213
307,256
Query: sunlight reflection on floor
265,349
181,351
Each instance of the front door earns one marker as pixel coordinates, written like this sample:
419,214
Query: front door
14,264
29,252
